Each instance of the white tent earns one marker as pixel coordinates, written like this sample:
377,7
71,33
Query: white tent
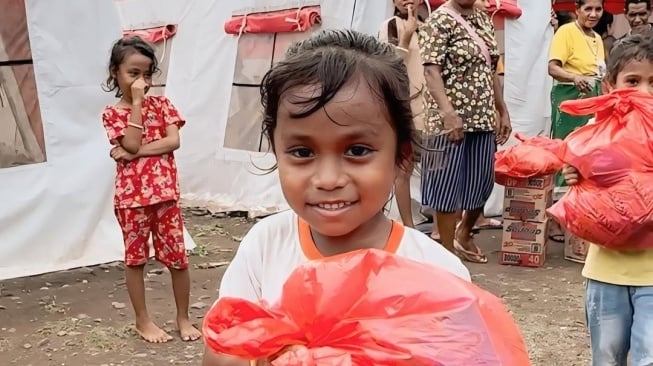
58,214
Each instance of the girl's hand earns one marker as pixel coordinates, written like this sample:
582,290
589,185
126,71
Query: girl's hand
570,174
118,154
138,89
411,22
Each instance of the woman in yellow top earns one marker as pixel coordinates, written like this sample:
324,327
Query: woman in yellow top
577,64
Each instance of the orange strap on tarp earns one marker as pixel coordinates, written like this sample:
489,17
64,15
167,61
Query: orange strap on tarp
153,35
284,21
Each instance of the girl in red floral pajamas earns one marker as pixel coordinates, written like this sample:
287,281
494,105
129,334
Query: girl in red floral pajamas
144,131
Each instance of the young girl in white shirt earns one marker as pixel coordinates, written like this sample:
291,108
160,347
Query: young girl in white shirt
338,116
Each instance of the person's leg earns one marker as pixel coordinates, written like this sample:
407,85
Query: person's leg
170,250
641,338
477,184
609,315
135,224
441,187
402,195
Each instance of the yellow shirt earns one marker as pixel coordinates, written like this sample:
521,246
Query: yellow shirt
578,53
619,268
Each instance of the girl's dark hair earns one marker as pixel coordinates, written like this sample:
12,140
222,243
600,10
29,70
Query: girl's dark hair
329,60
564,17
121,49
638,47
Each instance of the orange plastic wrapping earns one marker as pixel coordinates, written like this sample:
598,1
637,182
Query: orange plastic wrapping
533,157
612,206
370,307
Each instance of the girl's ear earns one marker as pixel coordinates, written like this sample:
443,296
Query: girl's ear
113,71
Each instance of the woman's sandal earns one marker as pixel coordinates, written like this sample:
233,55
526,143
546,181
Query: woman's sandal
473,257
558,238
491,224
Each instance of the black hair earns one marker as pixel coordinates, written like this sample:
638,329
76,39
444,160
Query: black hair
634,2
638,47
121,49
329,60
604,23
580,3
564,17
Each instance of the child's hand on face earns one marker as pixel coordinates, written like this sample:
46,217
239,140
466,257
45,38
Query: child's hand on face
118,154
570,174
138,89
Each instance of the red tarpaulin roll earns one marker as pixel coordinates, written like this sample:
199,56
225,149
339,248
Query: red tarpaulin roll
153,35
613,6
284,21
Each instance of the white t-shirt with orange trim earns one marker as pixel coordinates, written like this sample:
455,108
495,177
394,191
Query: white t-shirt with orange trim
278,244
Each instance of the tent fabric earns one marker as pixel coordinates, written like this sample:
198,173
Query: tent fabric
48,226
613,6
153,35
285,21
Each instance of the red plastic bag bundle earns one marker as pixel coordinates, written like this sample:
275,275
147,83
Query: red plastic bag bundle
612,205
370,307
535,156
617,217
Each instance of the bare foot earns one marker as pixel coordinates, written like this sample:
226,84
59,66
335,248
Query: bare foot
151,333
187,331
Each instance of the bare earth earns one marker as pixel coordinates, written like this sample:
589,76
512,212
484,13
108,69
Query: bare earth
82,317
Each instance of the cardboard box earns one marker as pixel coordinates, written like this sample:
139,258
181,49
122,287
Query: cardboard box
523,243
522,259
543,183
575,248
526,204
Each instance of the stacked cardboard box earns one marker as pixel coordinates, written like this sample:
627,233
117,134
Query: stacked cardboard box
575,248
525,221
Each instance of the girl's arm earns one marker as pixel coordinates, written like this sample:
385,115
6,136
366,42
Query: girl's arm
131,142
134,133
166,145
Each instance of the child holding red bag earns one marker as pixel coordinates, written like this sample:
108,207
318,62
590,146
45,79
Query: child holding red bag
338,116
619,290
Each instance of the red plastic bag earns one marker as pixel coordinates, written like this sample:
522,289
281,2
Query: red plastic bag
612,206
618,217
370,307
624,124
535,156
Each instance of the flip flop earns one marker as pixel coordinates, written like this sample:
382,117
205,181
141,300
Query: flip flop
469,256
493,224
436,238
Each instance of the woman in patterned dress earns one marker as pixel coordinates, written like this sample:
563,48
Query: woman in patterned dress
463,94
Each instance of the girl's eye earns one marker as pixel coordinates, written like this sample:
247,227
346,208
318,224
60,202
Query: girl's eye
301,152
631,82
358,151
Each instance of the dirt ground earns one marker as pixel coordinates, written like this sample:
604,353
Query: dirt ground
83,316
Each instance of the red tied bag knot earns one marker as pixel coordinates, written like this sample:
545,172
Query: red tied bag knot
369,307
619,102
534,156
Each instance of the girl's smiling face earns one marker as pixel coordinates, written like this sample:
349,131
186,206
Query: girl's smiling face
337,166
